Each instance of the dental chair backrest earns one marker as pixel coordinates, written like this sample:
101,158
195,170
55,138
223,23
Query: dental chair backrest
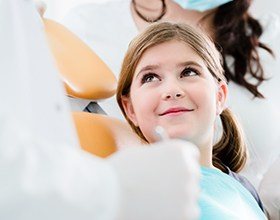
86,76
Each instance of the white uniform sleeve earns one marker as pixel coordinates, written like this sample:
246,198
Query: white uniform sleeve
43,172
42,181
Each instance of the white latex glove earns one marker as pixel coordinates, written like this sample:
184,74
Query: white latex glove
269,190
158,182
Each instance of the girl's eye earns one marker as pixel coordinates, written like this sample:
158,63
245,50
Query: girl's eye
149,77
189,71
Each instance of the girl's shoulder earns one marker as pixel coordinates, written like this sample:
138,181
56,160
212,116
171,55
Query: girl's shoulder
246,183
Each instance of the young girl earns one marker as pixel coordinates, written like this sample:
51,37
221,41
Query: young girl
236,26
172,77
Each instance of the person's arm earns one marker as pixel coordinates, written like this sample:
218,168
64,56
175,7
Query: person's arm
159,182
40,179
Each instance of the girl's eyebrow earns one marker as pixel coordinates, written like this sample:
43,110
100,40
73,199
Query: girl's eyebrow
187,63
154,67
147,68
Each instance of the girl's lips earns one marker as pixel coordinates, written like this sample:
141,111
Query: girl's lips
175,111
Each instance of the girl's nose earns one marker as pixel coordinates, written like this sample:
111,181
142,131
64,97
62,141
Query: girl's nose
172,88
174,96
173,91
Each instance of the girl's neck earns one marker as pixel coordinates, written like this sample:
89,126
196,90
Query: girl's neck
205,149
205,158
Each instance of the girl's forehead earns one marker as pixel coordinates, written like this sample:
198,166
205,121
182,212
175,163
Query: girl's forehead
169,52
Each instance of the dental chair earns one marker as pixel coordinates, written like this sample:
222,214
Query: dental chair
86,76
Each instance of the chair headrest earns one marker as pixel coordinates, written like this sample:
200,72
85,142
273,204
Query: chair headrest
85,75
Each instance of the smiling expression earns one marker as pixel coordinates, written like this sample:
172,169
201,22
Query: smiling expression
172,87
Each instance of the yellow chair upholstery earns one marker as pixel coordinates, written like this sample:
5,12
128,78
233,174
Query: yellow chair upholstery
102,135
79,66
86,76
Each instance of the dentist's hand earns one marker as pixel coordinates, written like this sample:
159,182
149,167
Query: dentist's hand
159,181
270,190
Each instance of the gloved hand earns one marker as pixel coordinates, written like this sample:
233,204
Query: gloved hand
158,182
269,190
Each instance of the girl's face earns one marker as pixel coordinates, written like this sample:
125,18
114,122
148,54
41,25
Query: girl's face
173,88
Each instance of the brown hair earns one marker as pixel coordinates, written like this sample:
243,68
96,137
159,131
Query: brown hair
230,150
238,33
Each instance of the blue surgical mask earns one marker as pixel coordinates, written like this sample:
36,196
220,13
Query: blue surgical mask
201,5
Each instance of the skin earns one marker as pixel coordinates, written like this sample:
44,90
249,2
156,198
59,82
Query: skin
178,93
174,13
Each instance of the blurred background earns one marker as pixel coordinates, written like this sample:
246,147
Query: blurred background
58,8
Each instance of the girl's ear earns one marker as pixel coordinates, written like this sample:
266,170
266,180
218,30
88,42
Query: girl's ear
129,110
221,97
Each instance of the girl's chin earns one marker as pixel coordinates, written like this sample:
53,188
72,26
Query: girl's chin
177,132
179,135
